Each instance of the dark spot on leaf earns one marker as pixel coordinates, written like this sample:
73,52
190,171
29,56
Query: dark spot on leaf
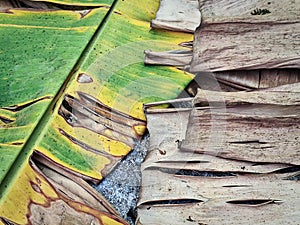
6,120
173,202
16,108
254,202
260,11
190,219
188,172
17,143
35,187
162,152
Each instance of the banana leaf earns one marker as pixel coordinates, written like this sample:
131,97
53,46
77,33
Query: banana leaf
247,35
223,165
35,67
178,15
75,85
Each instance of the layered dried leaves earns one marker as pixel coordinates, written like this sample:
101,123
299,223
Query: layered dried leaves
233,157
235,162
241,51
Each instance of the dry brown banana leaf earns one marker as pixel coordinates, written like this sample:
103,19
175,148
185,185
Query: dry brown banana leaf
179,197
169,58
260,127
237,35
257,79
255,133
246,172
178,15
74,188
288,98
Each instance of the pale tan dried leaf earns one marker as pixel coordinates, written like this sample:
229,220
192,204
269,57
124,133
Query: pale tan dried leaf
168,127
201,162
206,97
287,87
72,201
257,79
5,5
59,212
231,8
230,38
177,15
268,199
170,58
255,182
77,189
256,133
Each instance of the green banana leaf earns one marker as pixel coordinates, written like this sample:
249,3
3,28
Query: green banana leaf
73,87
36,59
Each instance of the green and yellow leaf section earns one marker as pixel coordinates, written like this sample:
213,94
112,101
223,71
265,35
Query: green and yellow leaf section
122,82
35,60
82,136
39,51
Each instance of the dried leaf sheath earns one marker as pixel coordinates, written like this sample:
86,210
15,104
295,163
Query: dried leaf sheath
171,58
258,79
260,135
212,45
232,165
267,97
234,39
224,200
